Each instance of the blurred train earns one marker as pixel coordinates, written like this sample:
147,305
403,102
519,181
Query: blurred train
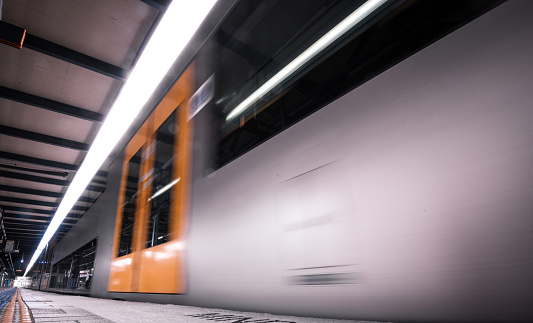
389,177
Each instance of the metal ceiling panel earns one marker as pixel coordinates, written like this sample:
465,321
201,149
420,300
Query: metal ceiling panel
27,201
48,77
37,207
51,105
29,226
43,121
33,178
34,212
35,171
31,217
66,54
88,90
28,191
24,209
7,162
109,30
28,161
39,150
30,232
31,185
15,61
24,220
39,137
42,198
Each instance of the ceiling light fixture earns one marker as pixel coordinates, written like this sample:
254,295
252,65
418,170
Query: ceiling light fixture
349,22
174,31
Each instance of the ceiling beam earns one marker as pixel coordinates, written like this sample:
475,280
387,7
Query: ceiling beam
29,218
37,161
39,137
46,47
26,210
15,189
39,216
17,200
30,232
43,162
33,178
10,208
33,231
45,180
38,171
51,105
26,220
27,201
25,226
20,234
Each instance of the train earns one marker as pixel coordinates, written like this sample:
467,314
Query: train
388,178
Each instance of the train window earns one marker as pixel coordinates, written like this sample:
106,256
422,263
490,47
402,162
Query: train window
260,38
76,270
162,182
130,205
256,41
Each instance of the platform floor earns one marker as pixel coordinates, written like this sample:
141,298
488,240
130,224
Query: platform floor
52,307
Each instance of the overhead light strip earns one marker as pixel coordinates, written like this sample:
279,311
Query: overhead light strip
179,23
349,22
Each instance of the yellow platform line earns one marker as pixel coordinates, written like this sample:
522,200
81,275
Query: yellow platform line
24,310
9,315
25,313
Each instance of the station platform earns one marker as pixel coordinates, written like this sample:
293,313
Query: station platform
53,307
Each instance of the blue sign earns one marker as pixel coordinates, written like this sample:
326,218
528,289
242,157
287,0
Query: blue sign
201,98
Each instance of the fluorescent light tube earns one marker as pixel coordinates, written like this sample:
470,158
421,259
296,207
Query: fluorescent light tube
353,19
174,31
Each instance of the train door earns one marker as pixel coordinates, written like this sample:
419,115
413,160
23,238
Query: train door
149,247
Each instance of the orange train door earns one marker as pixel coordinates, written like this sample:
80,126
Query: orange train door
149,243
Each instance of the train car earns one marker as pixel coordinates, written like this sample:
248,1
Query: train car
387,177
